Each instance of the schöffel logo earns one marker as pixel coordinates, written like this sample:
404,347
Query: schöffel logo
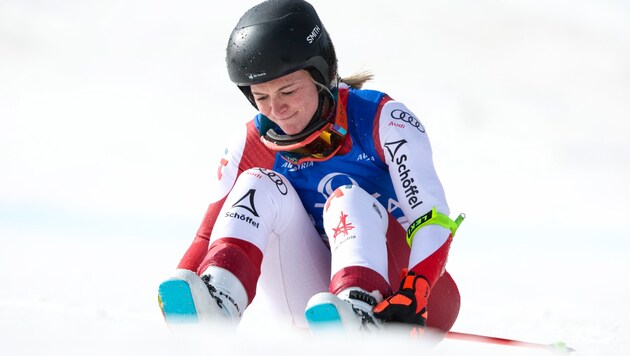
404,173
247,203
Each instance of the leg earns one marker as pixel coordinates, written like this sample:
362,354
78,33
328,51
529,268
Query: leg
356,224
443,306
264,231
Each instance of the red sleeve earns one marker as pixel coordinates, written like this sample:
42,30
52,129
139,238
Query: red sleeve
375,131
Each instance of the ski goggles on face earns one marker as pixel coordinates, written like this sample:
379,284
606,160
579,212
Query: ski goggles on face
318,146
315,143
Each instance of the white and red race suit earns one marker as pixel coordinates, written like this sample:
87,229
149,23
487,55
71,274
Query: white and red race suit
297,230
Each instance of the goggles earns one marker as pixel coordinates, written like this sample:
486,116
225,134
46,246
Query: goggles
321,144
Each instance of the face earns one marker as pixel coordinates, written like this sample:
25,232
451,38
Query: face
289,101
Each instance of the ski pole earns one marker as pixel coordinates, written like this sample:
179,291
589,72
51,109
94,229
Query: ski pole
558,346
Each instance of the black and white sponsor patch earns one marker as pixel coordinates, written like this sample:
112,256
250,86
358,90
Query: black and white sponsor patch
276,179
407,118
404,172
245,202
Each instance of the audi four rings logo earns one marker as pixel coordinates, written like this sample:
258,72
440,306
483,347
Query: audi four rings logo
276,179
408,118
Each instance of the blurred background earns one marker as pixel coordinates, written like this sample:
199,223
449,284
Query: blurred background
113,115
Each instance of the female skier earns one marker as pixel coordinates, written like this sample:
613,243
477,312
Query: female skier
328,202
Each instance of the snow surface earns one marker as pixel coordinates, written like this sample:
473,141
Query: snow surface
112,114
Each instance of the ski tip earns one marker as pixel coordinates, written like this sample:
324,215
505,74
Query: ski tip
176,302
561,347
323,316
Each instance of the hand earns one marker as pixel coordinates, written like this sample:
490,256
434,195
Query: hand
409,304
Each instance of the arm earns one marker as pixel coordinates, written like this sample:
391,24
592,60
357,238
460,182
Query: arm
407,152
228,169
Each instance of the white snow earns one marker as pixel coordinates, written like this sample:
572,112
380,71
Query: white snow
112,114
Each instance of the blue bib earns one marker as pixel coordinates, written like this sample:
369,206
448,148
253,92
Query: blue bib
315,181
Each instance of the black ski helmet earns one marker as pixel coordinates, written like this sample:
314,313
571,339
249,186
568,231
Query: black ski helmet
278,37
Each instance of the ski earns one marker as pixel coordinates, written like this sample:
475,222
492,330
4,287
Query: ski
557,347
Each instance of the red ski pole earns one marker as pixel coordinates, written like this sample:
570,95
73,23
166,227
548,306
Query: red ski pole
558,346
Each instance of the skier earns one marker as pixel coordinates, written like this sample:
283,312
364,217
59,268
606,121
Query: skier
327,201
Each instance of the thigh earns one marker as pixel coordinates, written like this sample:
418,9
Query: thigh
295,267
296,261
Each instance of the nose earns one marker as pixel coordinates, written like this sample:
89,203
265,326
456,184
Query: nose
278,105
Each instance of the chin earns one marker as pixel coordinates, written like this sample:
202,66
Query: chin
290,130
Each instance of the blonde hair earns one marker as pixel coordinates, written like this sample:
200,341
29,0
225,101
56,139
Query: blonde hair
357,79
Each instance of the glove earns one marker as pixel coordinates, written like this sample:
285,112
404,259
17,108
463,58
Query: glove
409,304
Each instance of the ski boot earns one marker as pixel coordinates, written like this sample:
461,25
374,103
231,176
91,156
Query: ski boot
217,297
350,311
